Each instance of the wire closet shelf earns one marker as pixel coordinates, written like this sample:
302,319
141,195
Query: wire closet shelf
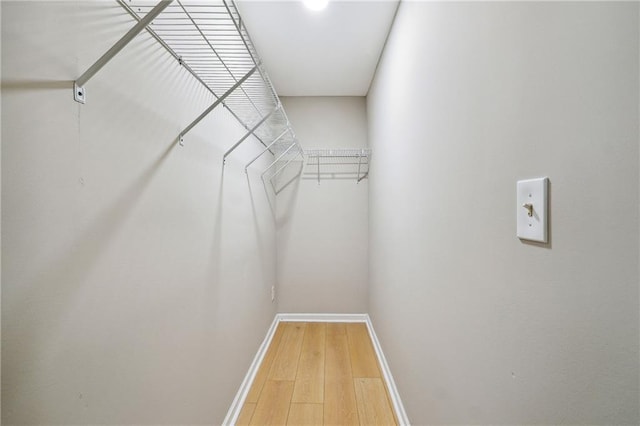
208,38
342,163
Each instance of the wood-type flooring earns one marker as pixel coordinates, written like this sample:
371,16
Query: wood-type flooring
316,373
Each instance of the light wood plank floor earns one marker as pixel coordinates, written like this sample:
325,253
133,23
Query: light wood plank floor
319,374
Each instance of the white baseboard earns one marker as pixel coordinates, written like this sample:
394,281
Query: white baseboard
241,396
403,419
234,411
322,317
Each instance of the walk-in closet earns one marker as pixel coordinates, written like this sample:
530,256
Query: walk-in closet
320,212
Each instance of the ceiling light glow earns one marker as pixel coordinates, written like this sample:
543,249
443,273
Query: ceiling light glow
316,4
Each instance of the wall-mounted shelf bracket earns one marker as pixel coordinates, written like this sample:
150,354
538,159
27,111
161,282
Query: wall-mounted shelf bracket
216,103
78,93
360,157
249,133
209,40
78,88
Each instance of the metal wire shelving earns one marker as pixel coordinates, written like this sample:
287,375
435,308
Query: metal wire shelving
339,163
209,39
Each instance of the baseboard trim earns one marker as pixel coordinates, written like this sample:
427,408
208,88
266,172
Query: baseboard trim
398,407
322,317
241,396
234,411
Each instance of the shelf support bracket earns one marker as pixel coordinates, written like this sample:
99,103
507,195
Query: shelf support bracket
249,133
266,149
78,87
216,103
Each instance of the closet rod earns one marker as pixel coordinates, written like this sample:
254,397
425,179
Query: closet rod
78,89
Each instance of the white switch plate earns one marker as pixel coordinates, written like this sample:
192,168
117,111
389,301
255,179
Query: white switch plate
534,192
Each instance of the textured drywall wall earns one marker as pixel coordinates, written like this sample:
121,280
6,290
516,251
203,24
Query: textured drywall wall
479,327
136,273
322,228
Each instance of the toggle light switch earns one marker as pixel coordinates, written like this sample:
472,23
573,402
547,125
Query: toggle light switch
532,209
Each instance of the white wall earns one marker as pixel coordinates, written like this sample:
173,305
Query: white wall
136,273
478,326
0,216
323,229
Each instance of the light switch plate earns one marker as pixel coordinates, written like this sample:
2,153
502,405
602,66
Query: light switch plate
532,196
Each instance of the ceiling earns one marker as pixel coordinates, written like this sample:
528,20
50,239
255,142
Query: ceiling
332,52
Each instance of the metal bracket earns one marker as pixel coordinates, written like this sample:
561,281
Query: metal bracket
363,176
79,95
366,173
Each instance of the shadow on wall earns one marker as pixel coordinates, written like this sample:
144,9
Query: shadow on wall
274,185
291,183
271,196
288,176
26,85
88,246
216,240
271,200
